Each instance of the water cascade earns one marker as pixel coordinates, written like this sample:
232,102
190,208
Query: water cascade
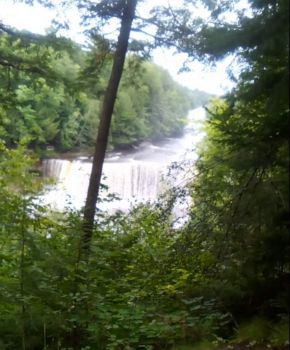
134,176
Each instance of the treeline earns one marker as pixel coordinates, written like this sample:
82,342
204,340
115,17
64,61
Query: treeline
51,94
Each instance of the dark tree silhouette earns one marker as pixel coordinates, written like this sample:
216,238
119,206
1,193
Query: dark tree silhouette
127,16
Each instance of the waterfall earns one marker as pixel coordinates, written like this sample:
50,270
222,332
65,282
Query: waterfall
133,181
134,177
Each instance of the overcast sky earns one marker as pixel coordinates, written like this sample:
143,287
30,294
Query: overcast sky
37,19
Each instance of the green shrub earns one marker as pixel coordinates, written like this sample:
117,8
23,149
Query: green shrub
256,330
280,332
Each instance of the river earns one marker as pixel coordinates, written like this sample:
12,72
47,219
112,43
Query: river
134,176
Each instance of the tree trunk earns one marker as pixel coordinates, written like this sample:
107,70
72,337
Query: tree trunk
105,121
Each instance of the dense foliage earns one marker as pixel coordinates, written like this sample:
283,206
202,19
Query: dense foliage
221,279
131,296
48,95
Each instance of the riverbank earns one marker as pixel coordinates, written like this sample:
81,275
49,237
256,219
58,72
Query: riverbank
192,132
87,153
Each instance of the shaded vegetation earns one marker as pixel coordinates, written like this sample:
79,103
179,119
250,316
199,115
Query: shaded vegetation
219,282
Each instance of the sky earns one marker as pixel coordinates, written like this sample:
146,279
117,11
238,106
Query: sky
37,19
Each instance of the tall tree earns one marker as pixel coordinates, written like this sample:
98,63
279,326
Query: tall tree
127,13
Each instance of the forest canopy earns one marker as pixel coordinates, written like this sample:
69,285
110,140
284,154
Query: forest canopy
51,93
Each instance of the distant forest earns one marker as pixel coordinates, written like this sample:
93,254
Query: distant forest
51,96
